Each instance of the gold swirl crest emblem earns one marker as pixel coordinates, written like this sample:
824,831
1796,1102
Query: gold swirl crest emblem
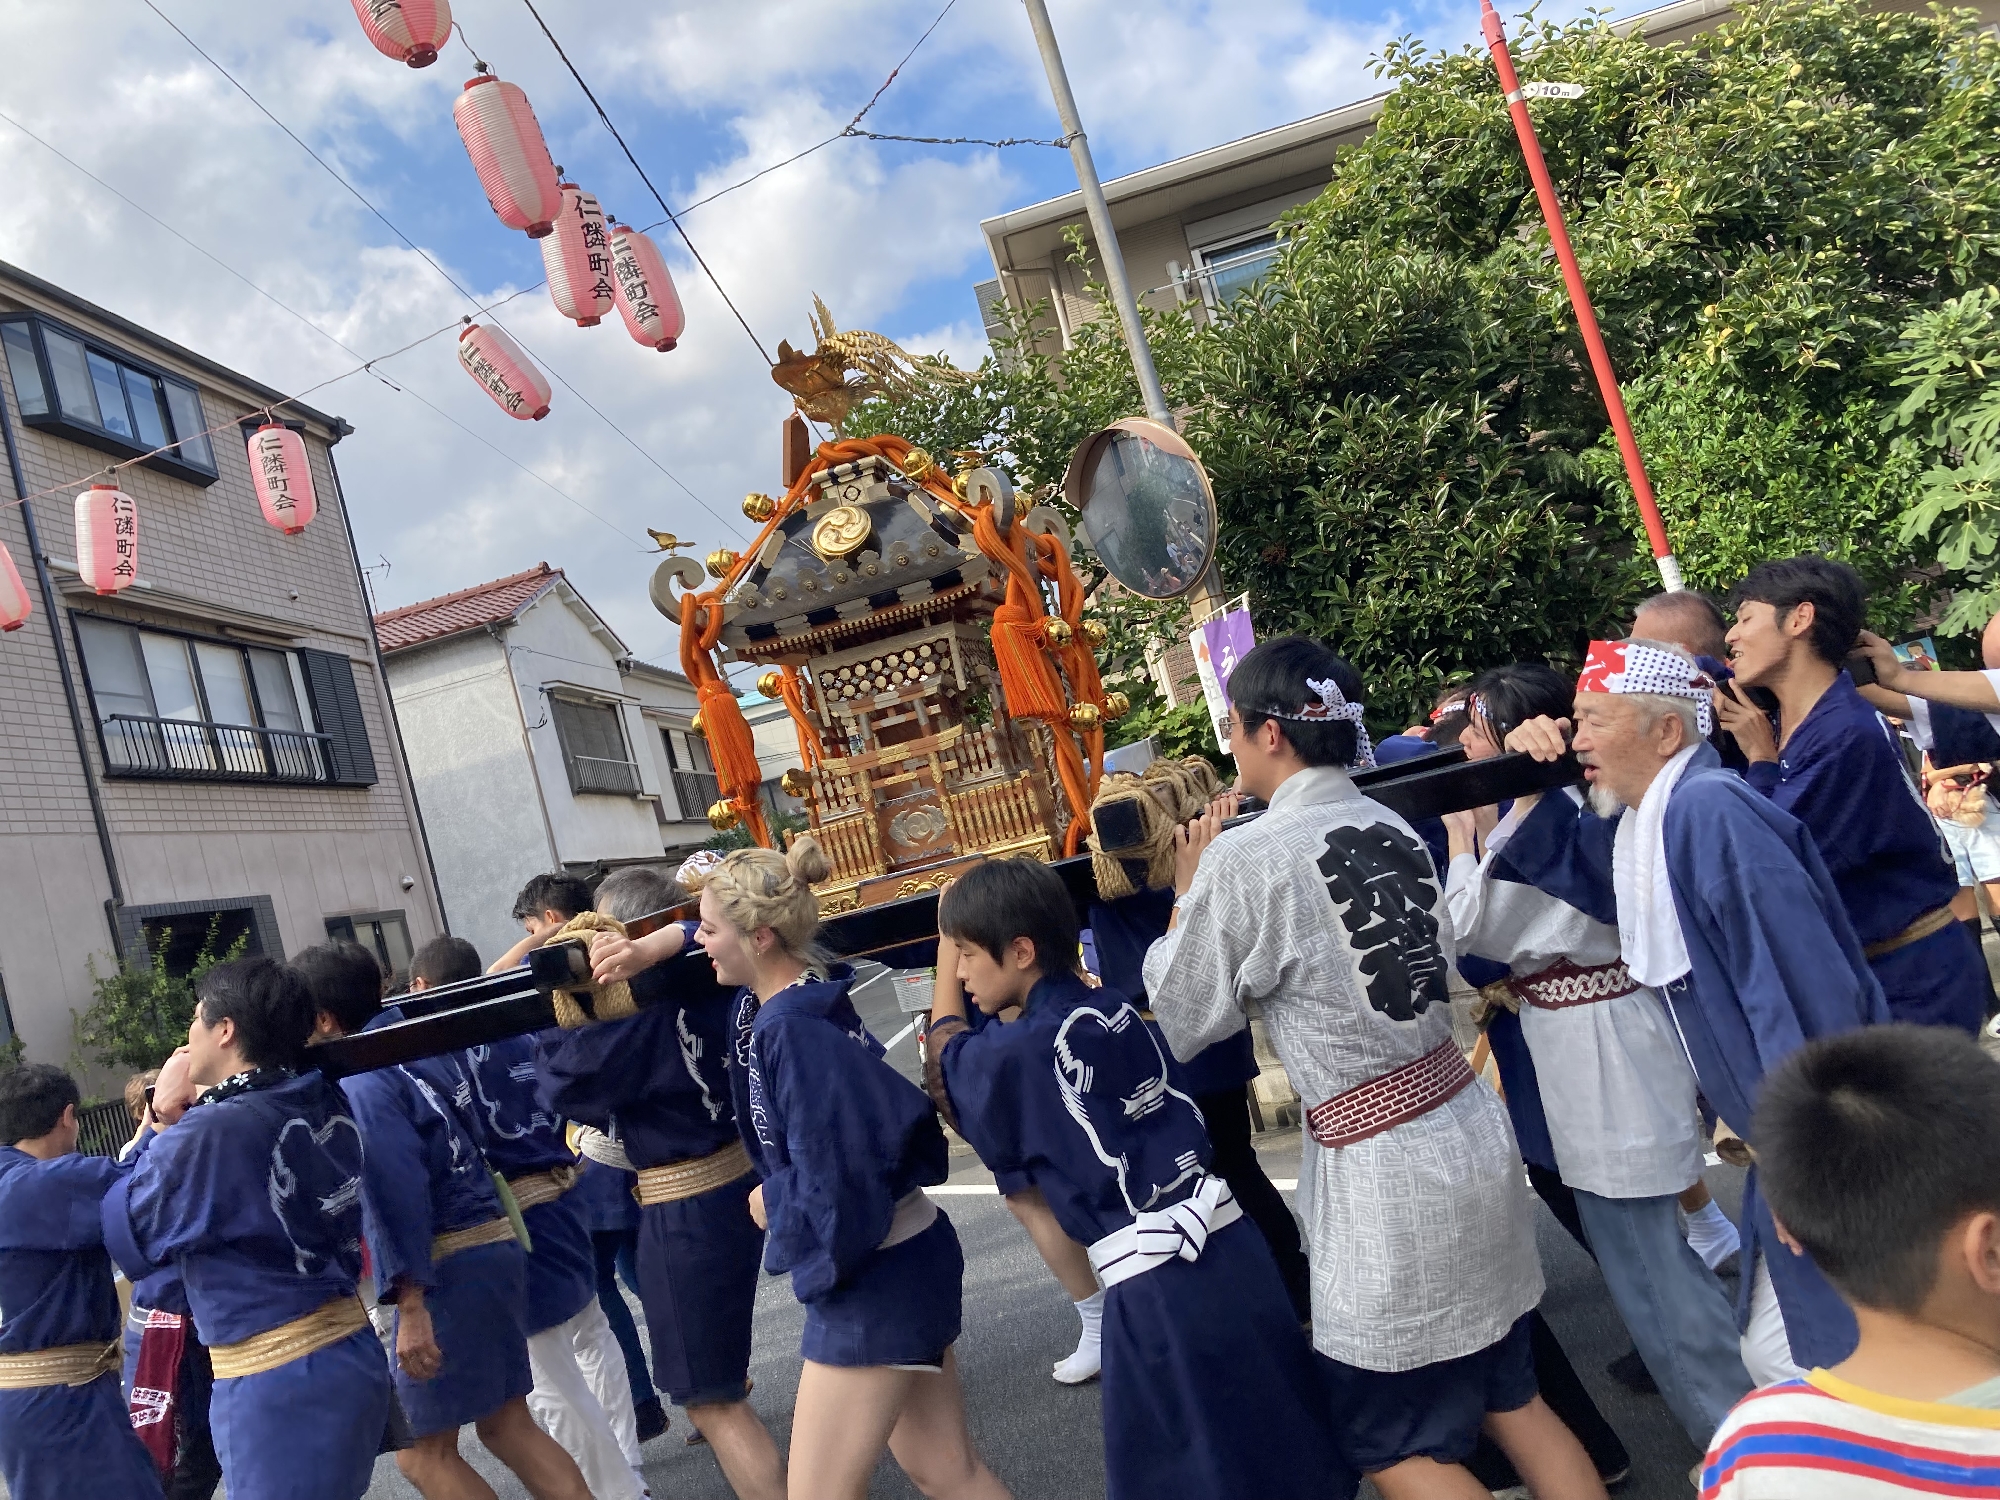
840,532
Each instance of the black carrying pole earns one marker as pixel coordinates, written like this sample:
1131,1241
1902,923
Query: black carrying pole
518,1001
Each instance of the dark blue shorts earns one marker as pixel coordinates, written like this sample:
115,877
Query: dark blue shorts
698,1263
478,1315
901,1308
1434,1411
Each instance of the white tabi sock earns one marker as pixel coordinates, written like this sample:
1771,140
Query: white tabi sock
1711,1235
1085,1362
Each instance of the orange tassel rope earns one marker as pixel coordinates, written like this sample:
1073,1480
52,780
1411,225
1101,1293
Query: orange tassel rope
792,688
731,744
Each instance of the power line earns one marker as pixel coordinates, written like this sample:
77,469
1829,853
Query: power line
426,257
707,270
331,337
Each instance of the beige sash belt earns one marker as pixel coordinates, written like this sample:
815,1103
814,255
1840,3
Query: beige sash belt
536,1188
690,1179
70,1364
324,1325
492,1232
1931,921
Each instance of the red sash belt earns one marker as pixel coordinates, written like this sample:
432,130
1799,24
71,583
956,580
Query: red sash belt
1562,984
1383,1103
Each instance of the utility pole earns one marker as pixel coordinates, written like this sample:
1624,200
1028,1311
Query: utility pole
1108,252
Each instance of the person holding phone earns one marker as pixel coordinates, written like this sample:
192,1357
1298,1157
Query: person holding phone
1831,763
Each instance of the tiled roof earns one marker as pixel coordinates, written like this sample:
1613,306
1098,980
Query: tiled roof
468,609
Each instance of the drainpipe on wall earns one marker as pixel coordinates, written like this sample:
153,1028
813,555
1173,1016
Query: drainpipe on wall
416,808
48,587
499,635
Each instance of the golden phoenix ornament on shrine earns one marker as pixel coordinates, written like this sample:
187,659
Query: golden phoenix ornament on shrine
819,382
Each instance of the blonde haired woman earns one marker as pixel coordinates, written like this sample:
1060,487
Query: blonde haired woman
845,1146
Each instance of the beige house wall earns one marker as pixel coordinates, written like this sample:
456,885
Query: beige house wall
208,565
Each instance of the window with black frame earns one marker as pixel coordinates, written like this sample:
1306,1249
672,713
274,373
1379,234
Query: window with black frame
696,786
386,934
198,709
96,395
593,747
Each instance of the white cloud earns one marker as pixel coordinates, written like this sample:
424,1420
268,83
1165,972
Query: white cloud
708,92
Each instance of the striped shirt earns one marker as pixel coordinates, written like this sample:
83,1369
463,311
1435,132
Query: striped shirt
1821,1438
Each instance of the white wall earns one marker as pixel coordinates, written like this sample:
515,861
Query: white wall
552,646
469,758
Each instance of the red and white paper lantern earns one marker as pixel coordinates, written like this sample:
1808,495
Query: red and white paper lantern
508,375
578,259
14,605
107,538
411,31
646,295
509,154
282,478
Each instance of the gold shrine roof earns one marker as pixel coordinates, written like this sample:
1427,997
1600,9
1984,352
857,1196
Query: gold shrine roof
867,540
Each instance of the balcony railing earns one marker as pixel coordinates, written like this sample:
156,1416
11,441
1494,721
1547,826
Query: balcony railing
596,773
696,791
193,750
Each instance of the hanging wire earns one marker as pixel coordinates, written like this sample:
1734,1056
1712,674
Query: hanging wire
732,524
707,270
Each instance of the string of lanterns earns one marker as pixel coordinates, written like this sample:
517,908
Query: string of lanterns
592,265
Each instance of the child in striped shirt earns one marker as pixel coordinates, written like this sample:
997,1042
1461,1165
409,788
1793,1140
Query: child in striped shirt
1879,1153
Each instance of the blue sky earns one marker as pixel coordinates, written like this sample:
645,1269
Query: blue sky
705,94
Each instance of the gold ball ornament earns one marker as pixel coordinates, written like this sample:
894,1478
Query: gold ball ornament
721,562
959,482
759,508
1116,706
1059,634
917,464
796,782
770,684
1084,717
723,816
1096,632
695,726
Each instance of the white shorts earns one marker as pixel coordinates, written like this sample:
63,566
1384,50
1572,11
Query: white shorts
1976,851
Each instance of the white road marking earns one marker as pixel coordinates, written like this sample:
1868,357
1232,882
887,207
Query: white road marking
890,1045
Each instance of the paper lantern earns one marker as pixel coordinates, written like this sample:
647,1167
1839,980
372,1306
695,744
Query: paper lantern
578,259
107,538
14,604
282,478
508,153
508,375
410,31
646,296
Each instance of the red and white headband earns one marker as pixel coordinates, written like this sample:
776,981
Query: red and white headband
1629,667
1331,704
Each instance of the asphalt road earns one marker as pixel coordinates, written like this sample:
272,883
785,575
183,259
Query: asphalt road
1044,1439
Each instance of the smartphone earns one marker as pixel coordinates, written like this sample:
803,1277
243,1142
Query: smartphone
1861,667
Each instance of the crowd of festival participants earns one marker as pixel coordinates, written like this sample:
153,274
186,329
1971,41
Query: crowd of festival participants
1747,924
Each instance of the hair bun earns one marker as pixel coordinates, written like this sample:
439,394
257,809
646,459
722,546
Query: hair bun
807,861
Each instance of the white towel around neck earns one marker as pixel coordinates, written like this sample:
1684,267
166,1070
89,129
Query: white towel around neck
1649,926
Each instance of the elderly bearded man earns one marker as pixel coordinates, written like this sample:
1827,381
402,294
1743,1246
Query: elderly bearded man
1725,908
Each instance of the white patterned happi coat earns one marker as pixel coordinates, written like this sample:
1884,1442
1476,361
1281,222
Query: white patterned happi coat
1326,914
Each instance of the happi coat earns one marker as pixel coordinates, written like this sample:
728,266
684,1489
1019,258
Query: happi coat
845,1145
255,1195
1621,1115
1325,913
1842,776
656,1084
1772,964
492,1088
56,1292
425,1177
1210,1389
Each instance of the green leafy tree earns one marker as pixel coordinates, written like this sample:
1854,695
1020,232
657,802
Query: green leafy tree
139,1013
1949,363
1410,454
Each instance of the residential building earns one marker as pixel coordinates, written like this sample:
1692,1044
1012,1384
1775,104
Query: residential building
1200,228
537,743
212,747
